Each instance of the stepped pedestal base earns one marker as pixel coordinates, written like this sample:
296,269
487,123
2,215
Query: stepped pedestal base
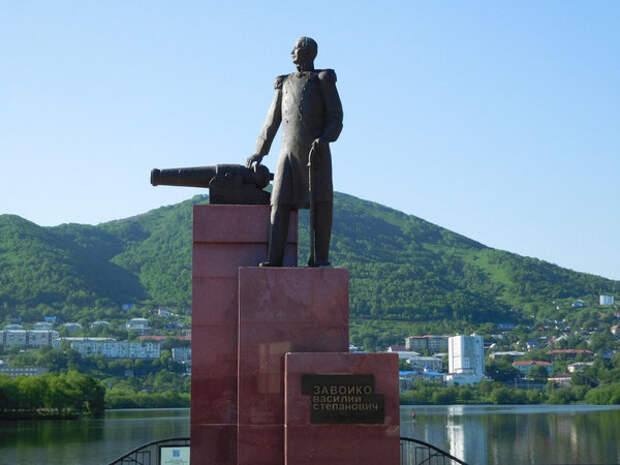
248,407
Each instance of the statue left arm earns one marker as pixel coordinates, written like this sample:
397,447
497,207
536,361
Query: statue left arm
333,106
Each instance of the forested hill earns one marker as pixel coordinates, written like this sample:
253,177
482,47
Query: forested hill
402,267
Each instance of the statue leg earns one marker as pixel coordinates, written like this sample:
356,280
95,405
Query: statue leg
278,233
323,232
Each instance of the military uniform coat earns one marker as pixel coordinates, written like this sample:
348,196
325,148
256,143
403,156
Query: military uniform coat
307,106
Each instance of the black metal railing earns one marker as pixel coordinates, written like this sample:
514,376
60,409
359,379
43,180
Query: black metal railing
416,452
412,452
148,454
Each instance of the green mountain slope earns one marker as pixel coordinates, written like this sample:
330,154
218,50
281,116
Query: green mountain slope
402,267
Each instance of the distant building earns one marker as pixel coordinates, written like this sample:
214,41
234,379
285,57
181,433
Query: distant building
578,304
416,343
100,324
164,312
40,338
578,366
72,327
437,344
13,326
425,363
42,325
127,307
407,378
27,338
524,366
109,349
532,344
14,372
14,337
405,354
50,319
606,300
569,352
427,343
137,324
510,355
56,344
505,326
163,338
182,355
564,380
465,359
466,355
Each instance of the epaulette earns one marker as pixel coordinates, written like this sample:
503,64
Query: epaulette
279,81
328,75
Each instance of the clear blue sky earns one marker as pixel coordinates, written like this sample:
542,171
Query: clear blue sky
497,120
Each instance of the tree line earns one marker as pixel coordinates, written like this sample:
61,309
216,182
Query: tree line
63,395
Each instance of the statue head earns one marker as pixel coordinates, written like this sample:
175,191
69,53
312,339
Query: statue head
304,53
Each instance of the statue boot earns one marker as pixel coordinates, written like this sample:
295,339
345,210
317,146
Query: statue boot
278,232
323,232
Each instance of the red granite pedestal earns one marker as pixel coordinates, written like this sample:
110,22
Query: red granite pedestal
245,320
282,310
308,443
225,238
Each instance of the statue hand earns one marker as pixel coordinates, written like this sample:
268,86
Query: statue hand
318,143
256,158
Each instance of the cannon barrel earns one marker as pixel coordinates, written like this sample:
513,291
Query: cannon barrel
228,184
203,175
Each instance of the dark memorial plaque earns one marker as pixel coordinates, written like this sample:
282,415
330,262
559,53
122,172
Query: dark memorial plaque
343,399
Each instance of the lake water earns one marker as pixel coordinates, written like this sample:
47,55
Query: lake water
506,435
481,435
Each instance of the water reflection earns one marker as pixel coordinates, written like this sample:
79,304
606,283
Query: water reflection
88,441
465,434
482,435
494,435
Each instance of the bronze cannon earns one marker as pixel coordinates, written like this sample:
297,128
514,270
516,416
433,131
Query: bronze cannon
228,184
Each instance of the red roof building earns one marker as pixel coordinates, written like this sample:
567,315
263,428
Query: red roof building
527,363
570,352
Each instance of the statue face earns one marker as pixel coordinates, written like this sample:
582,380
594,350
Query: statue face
297,53
303,53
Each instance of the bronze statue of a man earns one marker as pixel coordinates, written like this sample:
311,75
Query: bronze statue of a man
307,105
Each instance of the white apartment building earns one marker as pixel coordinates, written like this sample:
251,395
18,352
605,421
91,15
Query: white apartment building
113,349
182,354
14,337
465,359
27,338
41,337
606,300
